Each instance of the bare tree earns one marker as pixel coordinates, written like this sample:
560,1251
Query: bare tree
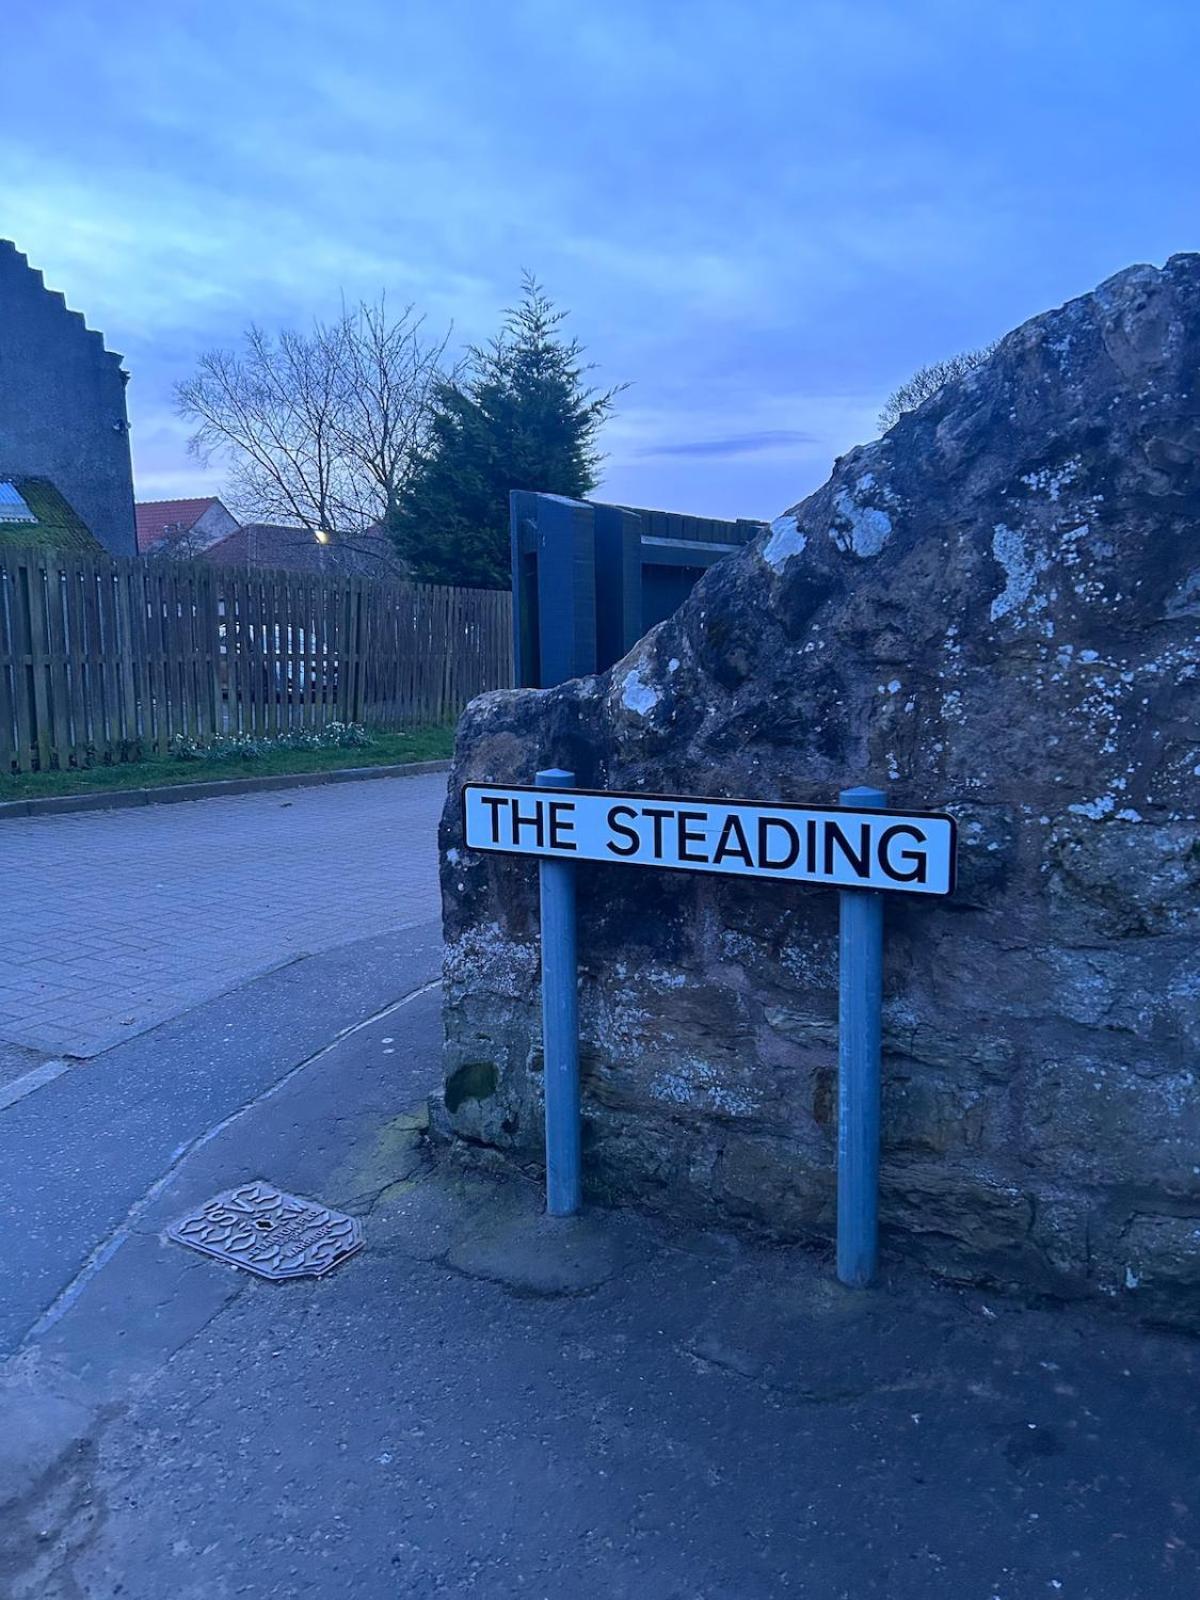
928,380
389,376
319,430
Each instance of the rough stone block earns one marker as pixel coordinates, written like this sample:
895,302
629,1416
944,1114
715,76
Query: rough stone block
991,610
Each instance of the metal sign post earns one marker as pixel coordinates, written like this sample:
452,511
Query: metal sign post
860,1006
560,1017
857,847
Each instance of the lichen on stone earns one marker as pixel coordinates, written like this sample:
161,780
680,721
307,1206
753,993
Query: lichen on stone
862,530
1022,567
637,695
784,541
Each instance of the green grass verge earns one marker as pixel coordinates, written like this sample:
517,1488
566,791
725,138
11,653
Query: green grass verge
416,744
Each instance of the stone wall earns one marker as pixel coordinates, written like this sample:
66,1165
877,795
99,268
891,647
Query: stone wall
62,404
993,609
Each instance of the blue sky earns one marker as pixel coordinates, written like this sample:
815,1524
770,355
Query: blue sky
762,215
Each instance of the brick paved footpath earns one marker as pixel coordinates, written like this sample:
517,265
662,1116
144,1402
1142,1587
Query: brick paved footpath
113,921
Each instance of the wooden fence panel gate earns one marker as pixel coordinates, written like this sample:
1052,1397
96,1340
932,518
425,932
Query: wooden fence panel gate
101,659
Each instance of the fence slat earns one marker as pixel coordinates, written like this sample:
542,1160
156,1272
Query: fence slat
89,657
287,653
19,634
272,650
123,584
134,585
8,726
233,652
60,689
159,735
39,659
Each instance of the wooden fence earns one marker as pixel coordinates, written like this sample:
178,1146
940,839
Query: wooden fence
102,659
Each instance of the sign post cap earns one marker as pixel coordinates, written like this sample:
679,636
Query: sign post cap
863,794
554,778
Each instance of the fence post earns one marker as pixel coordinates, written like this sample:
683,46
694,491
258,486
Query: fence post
560,1023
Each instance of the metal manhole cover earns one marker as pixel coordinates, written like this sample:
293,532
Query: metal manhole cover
269,1232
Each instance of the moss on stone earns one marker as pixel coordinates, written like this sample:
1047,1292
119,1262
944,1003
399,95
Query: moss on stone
474,1080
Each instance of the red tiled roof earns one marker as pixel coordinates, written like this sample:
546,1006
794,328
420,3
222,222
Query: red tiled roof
155,517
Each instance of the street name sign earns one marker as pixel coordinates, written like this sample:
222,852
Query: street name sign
857,847
841,847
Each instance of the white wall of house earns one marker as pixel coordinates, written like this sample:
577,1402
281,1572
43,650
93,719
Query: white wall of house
212,525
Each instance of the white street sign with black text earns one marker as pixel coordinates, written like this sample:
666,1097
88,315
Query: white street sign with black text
836,846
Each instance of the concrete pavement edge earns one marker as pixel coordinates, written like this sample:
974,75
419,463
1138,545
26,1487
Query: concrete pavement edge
173,793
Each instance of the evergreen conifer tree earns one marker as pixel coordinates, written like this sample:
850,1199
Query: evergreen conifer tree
517,417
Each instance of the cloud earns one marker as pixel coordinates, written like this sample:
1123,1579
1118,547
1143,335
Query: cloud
765,225
741,444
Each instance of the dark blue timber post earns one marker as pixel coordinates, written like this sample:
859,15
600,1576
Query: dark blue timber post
860,1030
554,588
590,578
560,1023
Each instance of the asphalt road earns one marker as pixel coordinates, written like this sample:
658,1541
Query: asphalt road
222,942
83,1151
